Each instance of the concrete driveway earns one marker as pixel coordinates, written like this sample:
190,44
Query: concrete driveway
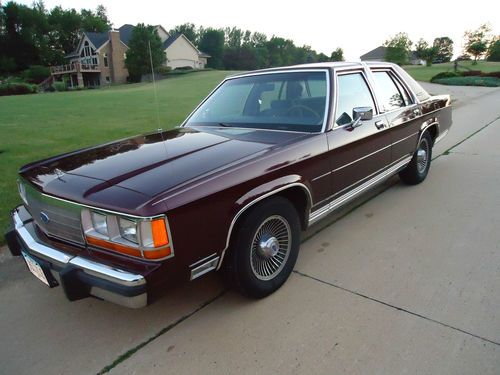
406,280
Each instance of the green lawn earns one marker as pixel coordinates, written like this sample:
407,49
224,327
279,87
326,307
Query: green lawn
425,73
34,127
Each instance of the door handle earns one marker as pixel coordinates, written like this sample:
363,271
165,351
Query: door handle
416,111
380,125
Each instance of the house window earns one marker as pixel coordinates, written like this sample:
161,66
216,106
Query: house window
105,60
107,79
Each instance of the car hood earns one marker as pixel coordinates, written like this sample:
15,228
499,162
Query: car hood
132,171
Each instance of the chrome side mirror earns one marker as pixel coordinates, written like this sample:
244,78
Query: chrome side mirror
360,114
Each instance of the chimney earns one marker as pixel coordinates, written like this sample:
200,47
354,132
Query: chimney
116,58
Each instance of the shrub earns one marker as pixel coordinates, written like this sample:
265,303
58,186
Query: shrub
492,74
470,81
17,89
60,86
444,75
35,74
164,70
184,68
471,73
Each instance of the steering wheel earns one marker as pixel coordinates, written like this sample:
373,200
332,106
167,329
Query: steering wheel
301,109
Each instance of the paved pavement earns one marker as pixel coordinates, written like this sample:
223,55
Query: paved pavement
405,281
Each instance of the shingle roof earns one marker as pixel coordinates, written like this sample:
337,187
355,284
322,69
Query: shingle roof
167,43
126,32
97,39
377,53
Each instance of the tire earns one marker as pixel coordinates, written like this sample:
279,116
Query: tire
264,248
418,168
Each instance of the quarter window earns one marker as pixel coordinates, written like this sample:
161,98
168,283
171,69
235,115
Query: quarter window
353,92
388,93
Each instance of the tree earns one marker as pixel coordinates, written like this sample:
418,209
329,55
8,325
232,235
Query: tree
476,41
337,55
425,52
189,30
494,50
398,49
97,21
212,42
138,58
444,49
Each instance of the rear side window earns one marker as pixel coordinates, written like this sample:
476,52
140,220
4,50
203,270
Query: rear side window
388,93
352,92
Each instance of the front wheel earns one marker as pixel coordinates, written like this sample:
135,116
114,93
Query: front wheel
264,248
416,171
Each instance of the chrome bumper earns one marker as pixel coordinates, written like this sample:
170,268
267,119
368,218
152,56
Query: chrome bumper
79,276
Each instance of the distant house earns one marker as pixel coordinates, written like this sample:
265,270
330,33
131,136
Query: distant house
378,54
99,58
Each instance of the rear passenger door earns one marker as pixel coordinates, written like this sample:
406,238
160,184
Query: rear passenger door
362,152
401,113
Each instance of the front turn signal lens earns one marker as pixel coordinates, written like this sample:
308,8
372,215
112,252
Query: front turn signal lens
160,235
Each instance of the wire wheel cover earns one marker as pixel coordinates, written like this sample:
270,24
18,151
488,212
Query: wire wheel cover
270,247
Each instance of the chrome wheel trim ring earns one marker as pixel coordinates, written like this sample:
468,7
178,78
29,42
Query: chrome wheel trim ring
270,247
422,155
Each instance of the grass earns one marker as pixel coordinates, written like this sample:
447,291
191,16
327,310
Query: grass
34,127
425,73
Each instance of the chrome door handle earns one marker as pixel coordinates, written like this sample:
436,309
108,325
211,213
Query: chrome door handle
380,125
416,111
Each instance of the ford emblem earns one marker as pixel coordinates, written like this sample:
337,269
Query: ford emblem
45,218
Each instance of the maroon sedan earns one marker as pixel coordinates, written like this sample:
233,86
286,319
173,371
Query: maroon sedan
264,156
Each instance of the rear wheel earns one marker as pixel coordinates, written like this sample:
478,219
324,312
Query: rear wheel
417,170
264,248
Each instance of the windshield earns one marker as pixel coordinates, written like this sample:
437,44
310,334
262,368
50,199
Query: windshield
282,101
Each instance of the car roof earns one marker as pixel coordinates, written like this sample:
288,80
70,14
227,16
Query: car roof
322,65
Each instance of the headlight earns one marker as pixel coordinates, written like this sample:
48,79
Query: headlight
128,230
99,223
139,237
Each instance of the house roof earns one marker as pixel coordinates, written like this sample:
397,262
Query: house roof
377,53
203,54
97,39
126,32
167,43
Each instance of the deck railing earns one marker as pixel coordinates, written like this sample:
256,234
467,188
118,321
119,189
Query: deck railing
74,67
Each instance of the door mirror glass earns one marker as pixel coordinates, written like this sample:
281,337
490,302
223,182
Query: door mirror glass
362,113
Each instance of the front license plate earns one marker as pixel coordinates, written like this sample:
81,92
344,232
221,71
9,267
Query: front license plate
35,268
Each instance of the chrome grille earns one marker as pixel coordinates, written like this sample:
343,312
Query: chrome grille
62,219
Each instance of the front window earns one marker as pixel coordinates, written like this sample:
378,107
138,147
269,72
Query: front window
294,101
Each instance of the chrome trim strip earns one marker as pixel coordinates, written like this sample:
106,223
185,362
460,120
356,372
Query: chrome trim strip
441,136
93,268
251,203
422,131
317,215
405,138
361,158
202,260
204,268
321,176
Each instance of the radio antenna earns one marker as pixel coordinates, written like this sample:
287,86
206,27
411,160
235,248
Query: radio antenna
154,87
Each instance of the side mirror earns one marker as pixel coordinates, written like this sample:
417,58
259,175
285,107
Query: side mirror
360,114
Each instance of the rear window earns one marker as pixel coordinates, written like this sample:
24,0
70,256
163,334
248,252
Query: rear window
418,90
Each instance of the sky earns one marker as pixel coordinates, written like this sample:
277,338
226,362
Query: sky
355,26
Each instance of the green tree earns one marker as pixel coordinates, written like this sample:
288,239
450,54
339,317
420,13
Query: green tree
494,50
444,49
189,30
97,21
337,55
212,42
476,41
425,52
398,49
138,57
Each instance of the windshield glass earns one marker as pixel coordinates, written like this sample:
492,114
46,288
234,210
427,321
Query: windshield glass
281,101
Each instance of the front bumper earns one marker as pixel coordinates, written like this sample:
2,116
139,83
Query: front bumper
80,277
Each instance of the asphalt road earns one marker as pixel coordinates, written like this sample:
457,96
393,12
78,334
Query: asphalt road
404,280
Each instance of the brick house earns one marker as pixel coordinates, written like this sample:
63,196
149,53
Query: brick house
99,58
